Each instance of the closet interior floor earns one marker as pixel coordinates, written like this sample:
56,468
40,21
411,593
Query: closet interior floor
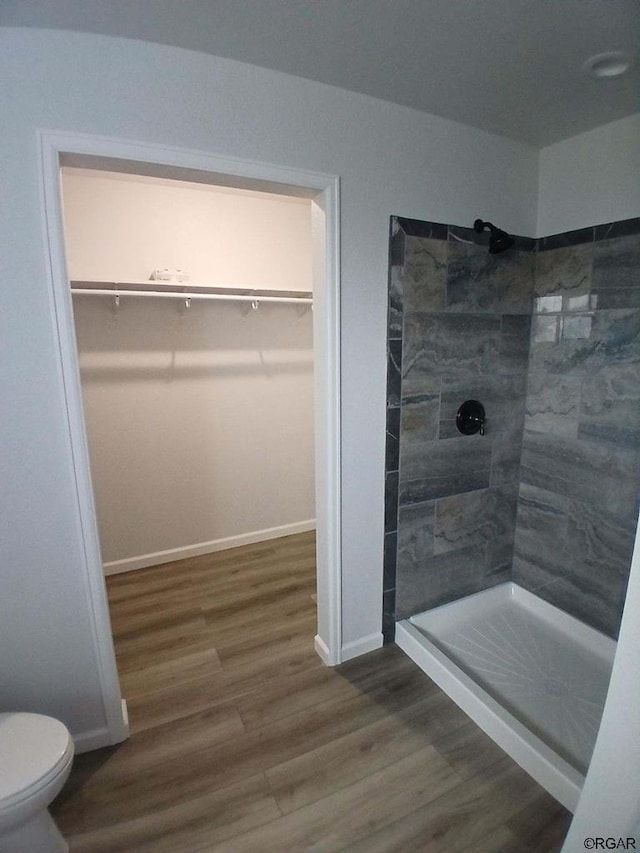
242,740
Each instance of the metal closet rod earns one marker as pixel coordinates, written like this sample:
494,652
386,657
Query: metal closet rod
187,291
188,294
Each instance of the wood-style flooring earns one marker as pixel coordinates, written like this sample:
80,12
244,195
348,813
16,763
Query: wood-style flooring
241,740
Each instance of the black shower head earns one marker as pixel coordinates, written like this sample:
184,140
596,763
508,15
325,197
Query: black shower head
499,241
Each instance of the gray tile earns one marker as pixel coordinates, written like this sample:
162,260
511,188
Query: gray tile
502,395
396,301
505,456
429,488
425,274
610,406
620,228
616,263
390,561
391,502
475,519
448,458
444,347
423,228
553,404
394,373
444,578
567,238
540,536
592,471
480,282
415,537
564,272
396,243
392,450
420,419
514,343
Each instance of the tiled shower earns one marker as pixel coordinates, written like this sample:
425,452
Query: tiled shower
547,337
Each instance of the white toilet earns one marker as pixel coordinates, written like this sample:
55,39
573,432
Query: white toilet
36,753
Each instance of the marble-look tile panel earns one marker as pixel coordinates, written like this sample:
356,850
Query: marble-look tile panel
422,228
617,229
475,519
429,488
479,282
498,563
595,472
582,598
425,275
388,616
396,243
614,338
395,316
391,502
446,466
616,273
540,537
445,578
394,373
392,450
420,418
390,560
564,272
444,347
553,404
514,343
502,396
505,456
610,405
567,238
415,536
600,544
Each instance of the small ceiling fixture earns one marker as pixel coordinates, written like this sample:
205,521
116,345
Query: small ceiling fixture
610,64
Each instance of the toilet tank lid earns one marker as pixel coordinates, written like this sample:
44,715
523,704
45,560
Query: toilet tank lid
31,747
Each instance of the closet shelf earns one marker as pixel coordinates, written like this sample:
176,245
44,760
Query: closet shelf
188,290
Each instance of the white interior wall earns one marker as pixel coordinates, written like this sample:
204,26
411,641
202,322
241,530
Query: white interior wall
200,421
120,227
391,160
591,178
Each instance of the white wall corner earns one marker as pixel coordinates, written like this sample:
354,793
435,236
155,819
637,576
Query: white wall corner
355,648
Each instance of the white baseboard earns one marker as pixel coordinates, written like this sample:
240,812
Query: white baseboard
99,738
115,567
360,647
322,650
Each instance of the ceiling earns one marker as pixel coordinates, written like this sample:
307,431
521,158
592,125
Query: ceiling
512,67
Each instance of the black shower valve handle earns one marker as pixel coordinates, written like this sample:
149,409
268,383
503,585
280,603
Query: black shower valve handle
470,418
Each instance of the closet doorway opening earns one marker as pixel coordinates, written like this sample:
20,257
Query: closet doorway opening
196,405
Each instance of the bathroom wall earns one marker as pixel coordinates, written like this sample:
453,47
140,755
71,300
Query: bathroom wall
557,510
459,322
192,415
580,474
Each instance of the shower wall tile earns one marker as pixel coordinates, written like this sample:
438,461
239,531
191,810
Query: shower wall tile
395,312
564,272
553,404
392,450
443,467
496,284
444,578
616,263
424,275
465,335
439,348
567,238
549,342
394,372
617,229
610,405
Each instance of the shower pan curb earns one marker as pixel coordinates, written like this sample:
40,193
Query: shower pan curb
560,778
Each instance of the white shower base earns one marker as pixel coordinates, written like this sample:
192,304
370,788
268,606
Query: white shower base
532,677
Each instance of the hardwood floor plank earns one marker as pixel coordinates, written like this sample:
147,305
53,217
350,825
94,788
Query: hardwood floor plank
354,812
243,740
188,827
329,768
